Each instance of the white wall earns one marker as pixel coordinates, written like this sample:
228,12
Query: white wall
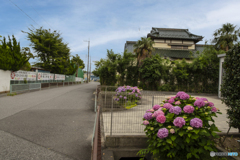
221,60
4,80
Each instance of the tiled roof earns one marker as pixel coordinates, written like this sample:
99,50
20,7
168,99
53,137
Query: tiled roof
172,33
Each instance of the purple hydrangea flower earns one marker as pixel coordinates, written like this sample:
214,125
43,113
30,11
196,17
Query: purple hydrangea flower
210,104
214,109
196,122
176,110
136,95
184,96
125,97
200,103
145,122
188,109
117,99
179,122
156,107
120,96
179,93
167,105
162,133
147,116
171,100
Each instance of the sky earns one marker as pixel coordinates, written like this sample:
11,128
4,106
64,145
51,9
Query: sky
108,24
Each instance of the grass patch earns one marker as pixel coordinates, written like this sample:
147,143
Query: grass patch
12,94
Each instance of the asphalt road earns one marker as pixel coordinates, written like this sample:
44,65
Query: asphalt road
51,124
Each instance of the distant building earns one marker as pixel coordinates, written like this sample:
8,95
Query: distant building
172,43
39,69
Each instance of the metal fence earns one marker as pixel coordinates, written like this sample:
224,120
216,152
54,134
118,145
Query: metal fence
24,87
125,116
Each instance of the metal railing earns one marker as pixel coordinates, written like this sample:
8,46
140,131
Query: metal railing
24,87
96,141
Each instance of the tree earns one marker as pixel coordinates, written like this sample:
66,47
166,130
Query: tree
12,57
230,88
152,71
143,48
78,62
226,36
123,63
52,52
106,69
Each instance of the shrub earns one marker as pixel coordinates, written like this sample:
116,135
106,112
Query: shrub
128,96
182,131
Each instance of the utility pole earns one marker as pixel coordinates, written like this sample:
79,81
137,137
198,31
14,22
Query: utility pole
88,59
90,67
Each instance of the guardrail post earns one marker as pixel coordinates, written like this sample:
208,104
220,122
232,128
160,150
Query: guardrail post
95,102
111,117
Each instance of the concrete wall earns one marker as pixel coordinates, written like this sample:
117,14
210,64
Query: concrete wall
4,81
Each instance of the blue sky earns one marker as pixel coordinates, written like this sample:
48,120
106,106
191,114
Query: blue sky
110,23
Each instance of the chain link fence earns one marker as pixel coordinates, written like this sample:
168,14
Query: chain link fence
124,116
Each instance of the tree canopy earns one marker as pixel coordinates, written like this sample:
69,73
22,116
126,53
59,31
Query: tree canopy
225,37
53,53
12,56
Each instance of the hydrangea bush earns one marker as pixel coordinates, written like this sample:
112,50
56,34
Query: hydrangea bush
179,128
127,96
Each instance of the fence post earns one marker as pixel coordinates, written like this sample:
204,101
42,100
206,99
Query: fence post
152,101
11,88
28,87
105,95
49,85
111,117
57,84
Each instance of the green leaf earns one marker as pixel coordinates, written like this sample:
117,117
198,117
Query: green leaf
169,141
195,136
173,138
189,155
187,140
189,135
196,131
181,133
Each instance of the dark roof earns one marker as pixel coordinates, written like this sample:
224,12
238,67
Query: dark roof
173,33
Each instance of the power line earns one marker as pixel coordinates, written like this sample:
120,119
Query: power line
24,12
40,15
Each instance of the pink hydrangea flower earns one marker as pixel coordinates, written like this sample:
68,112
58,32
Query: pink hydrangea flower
162,133
156,107
214,109
196,122
171,100
200,103
179,122
158,112
204,99
161,118
167,105
184,96
177,102
188,109
145,122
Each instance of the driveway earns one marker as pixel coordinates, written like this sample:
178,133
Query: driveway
48,124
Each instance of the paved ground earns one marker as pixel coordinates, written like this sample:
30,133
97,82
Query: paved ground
49,124
128,122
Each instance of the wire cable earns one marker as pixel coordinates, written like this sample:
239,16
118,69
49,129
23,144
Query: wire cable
40,15
24,12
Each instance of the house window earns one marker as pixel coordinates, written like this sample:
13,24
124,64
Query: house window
179,47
